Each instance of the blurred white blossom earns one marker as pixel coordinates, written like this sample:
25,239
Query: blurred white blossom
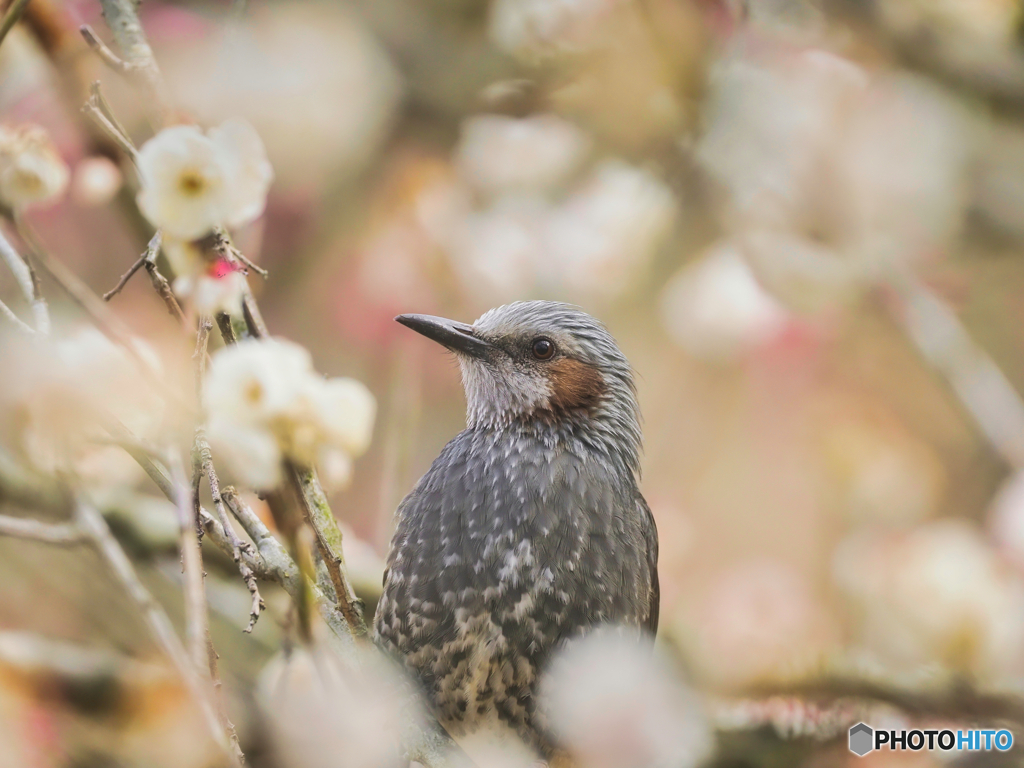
832,174
532,28
193,182
614,703
886,475
265,403
503,154
323,711
595,242
604,234
32,172
934,596
716,308
60,392
316,84
96,181
758,622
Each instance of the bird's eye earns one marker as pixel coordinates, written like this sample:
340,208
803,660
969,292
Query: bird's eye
543,349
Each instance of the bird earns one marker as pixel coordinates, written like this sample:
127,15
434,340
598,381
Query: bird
528,530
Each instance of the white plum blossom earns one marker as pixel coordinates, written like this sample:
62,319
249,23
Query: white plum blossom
65,388
616,704
212,284
193,182
500,154
833,175
265,404
605,233
96,180
318,706
715,308
32,172
758,622
934,597
596,241
532,28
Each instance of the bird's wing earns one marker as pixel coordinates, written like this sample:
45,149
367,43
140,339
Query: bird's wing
651,531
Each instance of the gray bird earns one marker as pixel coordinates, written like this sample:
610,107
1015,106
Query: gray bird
528,530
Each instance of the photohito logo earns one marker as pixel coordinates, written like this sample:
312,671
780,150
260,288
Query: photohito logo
865,739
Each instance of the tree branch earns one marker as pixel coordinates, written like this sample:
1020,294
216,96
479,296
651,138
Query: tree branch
27,282
981,386
14,13
20,324
123,20
51,533
95,527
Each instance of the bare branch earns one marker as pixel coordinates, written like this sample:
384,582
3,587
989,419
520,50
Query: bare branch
95,527
109,58
203,460
20,324
123,20
160,283
329,541
14,13
27,282
125,278
196,621
221,244
982,387
51,533
99,110
202,464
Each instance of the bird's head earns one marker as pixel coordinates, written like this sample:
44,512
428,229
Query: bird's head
542,362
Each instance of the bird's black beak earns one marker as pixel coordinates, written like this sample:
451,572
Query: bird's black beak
458,337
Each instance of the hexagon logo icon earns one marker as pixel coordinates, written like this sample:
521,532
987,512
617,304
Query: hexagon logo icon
862,739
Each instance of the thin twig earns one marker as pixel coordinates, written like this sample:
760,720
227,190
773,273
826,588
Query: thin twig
253,317
981,386
51,533
109,58
125,278
160,283
202,465
20,324
96,97
93,524
27,282
218,690
12,16
227,332
92,110
222,244
203,458
123,19
196,621
200,354
250,265
329,542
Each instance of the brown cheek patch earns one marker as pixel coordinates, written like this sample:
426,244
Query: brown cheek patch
574,385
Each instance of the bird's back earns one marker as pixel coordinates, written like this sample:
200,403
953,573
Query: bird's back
513,542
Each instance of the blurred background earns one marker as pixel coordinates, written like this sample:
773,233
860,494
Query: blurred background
802,221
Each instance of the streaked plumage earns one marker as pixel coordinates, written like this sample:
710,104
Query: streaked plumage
528,529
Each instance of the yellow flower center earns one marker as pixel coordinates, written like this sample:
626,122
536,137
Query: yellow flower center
254,392
192,183
28,182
